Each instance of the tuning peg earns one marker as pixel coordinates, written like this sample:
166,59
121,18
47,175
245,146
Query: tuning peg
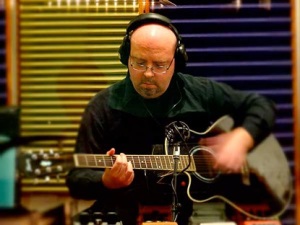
47,179
37,172
45,156
34,156
59,168
48,169
51,151
36,181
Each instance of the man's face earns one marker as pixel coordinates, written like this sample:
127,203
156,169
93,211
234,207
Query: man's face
152,52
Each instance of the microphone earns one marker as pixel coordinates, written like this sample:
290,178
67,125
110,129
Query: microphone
176,133
176,150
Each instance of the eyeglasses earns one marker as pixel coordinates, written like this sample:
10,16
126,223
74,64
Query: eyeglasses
157,69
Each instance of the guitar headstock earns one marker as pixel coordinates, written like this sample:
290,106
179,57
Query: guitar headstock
44,164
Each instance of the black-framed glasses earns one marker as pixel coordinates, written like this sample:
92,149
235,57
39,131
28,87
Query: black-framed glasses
157,69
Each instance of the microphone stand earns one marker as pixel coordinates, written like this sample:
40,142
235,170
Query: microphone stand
176,157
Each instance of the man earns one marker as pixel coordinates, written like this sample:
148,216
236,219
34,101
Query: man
131,116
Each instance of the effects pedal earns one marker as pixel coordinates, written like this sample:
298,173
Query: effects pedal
159,223
96,218
262,222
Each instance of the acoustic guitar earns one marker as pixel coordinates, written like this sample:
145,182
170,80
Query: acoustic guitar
265,179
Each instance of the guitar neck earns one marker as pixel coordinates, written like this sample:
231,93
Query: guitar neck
143,162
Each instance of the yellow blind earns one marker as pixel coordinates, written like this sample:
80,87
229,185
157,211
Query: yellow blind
67,53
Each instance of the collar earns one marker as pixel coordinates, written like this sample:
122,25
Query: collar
123,97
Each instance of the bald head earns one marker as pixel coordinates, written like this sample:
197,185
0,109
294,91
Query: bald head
154,38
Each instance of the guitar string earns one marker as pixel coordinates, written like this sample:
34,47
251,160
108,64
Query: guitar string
148,161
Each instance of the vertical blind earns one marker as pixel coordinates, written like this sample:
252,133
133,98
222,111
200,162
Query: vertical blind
68,52
247,47
2,55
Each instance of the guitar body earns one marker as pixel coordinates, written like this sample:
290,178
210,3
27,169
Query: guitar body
265,181
245,198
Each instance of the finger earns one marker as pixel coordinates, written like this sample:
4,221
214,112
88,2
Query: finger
111,152
207,141
117,166
120,165
128,176
129,173
228,171
130,167
123,158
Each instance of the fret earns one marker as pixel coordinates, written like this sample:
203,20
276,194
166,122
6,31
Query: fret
103,160
112,160
108,161
170,163
91,160
166,162
148,161
165,159
183,162
85,162
180,164
132,161
192,166
155,160
192,163
143,163
82,160
160,165
98,161
187,161
151,161
139,162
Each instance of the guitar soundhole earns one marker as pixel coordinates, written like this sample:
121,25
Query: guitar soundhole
204,160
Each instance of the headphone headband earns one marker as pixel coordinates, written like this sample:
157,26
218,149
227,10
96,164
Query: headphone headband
149,18
155,18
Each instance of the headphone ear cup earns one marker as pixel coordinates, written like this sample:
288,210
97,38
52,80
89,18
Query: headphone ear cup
181,57
124,51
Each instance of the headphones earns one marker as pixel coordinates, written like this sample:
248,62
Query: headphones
147,18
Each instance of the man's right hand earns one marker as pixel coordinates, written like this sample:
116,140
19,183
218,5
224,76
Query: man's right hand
120,175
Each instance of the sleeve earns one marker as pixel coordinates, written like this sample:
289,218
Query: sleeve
87,183
252,111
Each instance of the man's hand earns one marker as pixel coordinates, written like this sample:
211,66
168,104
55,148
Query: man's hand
120,175
230,148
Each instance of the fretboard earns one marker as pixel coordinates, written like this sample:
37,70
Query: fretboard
145,162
